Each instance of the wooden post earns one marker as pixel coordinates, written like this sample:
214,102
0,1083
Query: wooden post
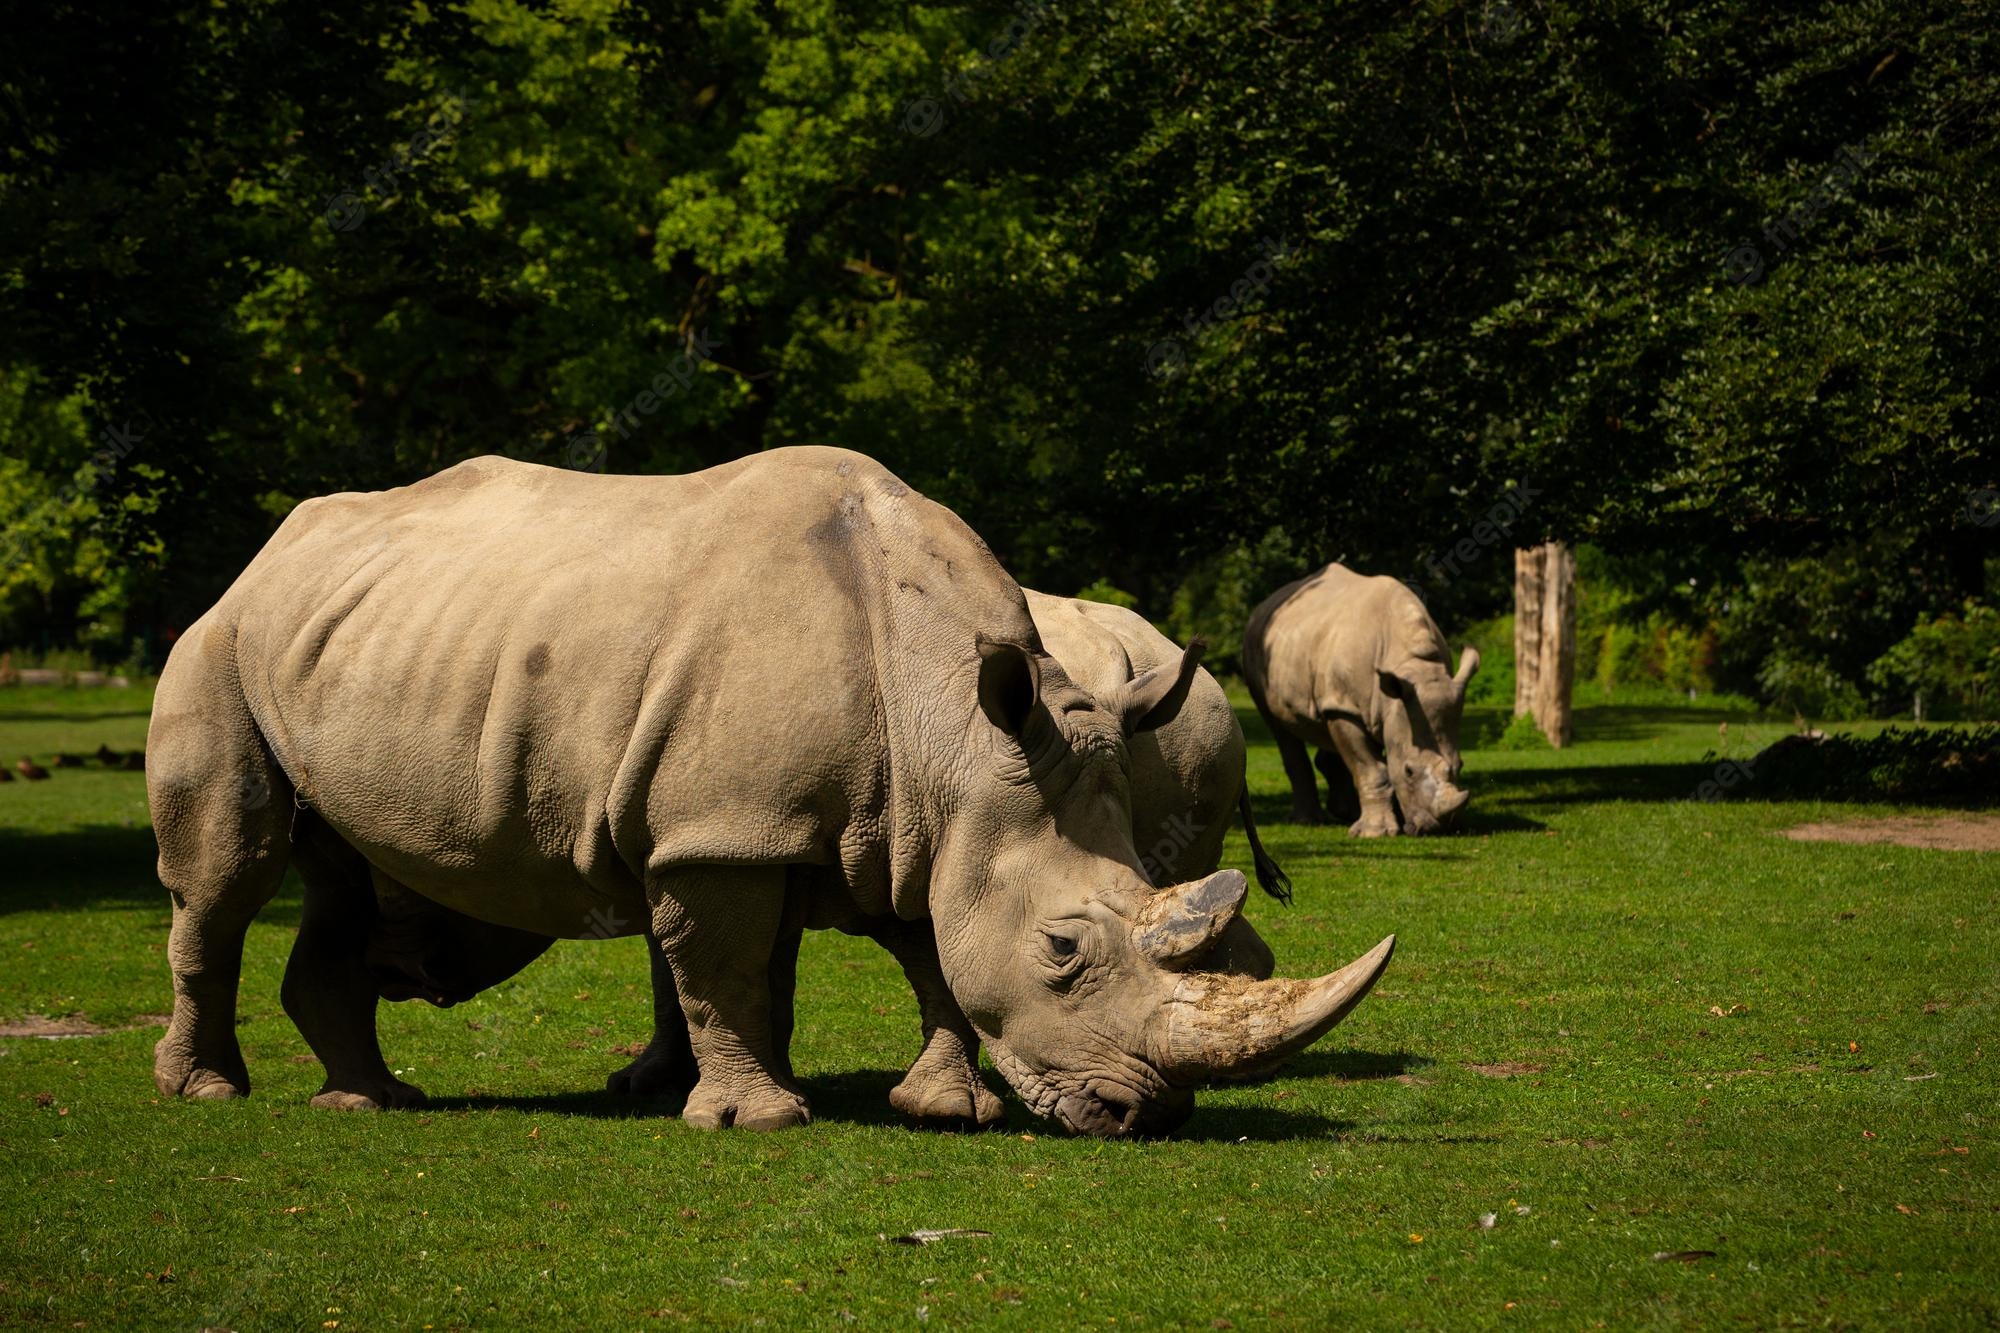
1527,627
1557,672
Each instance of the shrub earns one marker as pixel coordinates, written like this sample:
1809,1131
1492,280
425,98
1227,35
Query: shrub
1104,591
1809,687
1932,765
1951,658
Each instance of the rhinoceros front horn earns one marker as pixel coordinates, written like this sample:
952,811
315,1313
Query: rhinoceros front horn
1219,1025
1468,662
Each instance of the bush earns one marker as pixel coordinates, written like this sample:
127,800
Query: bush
1809,687
1104,591
1952,659
1931,765
1521,734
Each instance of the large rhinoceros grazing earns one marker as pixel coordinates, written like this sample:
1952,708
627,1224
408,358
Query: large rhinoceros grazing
715,709
1355,665
1186,785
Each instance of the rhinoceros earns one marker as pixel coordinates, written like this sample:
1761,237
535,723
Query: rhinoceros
1187,776
1355,665
715,709
1187,781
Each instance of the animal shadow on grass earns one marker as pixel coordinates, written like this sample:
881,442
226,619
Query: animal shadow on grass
861,1097
857,1097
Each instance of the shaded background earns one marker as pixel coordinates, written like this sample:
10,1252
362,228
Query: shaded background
1715,285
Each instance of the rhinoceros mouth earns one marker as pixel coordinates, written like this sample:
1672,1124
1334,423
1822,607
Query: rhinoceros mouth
1097,1106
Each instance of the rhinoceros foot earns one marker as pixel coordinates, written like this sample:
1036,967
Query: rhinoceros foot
950,1099
390,1094
1374,824
654,1073
176,1073
713,1105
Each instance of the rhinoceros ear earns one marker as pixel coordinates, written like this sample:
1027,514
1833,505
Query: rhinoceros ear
1010,681
1155,698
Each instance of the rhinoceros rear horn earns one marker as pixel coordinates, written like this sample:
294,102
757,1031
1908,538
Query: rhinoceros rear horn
1219,1025
1010,682
1155,698
1468,662
1182,922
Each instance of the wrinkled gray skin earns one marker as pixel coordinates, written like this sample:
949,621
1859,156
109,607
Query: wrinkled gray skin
1355,665
716,710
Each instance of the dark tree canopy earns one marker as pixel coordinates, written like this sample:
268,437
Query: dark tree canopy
1180,298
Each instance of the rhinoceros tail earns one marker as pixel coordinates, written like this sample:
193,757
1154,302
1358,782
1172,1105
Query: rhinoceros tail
1270,877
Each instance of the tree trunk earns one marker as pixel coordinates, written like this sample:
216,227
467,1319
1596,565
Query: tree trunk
1545,637
1558,625
1527,627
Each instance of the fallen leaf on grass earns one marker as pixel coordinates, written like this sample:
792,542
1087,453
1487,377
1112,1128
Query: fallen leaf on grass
1906,1210
930,1236
1681,1256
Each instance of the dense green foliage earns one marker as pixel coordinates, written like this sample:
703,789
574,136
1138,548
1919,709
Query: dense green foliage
1644,1022
1182,297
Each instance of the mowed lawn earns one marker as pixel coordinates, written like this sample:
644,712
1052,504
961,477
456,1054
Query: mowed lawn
1695,1073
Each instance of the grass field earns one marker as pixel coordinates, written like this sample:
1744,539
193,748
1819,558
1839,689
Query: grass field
1625,1024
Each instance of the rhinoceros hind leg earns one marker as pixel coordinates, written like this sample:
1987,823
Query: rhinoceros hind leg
1299,772
328,989
943,1088
221,811
667,1063
718,927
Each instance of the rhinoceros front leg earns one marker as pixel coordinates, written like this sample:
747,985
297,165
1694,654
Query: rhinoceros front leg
668,1064
328,989
1371,779
943,1087
718,927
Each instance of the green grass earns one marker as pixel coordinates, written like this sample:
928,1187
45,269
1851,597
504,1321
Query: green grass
1729,1042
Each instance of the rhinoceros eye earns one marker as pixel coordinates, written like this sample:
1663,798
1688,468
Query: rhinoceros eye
1062,946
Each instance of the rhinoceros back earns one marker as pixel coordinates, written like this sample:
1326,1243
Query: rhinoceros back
515,688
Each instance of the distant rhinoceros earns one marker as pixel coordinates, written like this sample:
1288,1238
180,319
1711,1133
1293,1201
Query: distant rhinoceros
715,709
1355,665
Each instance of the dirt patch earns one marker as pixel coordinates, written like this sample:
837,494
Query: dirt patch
1506,1069
72,1025
1948,833
50,1029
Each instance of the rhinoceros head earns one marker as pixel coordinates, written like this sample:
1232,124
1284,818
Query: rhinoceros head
1420,738
1080,976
